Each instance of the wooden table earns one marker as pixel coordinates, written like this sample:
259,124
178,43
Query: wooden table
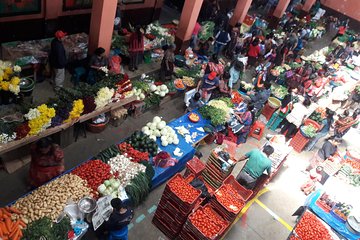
22,142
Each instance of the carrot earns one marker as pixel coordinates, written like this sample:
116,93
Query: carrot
15,235
15,226
1,213
6,213
8,224
4,228
22,223
13,210
1,233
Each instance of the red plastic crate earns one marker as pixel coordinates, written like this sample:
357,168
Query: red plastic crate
195,166
268,111
244,192
193,228
298,142
177,198
164,228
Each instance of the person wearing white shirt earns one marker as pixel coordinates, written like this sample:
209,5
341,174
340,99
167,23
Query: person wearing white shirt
294,119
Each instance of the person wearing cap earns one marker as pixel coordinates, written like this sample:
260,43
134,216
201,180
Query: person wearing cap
207,85
258,162
118,221
58,59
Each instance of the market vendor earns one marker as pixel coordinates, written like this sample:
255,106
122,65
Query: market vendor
260,97
327,151
223,89
97,62
206,48
207,85
47,162
295,118
118,221
245,118
215,65
342,126
258,162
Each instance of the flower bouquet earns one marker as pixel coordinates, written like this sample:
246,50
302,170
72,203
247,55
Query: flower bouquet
9,77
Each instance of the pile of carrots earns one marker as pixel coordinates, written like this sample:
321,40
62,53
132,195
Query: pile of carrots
10,229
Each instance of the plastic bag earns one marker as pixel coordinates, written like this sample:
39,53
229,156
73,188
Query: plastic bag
164,160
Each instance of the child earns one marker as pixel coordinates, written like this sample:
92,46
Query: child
315,176
194,102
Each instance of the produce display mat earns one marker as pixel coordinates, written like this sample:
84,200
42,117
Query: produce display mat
334,223
333,234
187,149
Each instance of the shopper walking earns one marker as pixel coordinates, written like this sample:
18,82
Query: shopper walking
194,36
167,63
136,48
47,162
58,59
327,122
295,118
221,40
258,162
253,52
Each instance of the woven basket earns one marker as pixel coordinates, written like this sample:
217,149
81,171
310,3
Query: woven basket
97,128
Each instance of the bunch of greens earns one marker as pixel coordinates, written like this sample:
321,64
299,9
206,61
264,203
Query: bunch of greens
190,72
207,30
119,42
308,131
152,100
45,229
316,116
279,91
170,85
215,115
141,85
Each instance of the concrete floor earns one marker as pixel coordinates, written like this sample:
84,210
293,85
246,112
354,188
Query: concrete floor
269,217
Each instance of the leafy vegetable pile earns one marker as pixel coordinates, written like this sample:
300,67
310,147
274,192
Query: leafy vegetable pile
139,188
279,91
316,116
215,115
207,30
308,131
45,229
192,72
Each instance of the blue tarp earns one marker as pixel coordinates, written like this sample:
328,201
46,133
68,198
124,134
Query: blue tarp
163,174
334,223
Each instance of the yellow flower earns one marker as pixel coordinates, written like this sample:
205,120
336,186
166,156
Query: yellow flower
43,121
5,76
15,80
9,70
78,108
5,85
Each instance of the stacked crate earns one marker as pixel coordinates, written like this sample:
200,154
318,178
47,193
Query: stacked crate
242,196
192,231
172,211
214,174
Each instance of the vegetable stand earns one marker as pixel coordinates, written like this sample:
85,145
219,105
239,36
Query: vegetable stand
343,193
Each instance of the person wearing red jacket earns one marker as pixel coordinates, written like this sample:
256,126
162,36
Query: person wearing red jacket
136,48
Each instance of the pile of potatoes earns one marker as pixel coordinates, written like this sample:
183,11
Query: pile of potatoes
49,200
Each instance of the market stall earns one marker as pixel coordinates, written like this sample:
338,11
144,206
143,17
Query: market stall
337,205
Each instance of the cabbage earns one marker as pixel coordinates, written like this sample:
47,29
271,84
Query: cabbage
101,189
163,87
153,88
116,185
107,183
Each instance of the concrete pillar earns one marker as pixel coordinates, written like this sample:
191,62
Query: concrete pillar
102,24
278,13
308,5
188,18
281,8
240,11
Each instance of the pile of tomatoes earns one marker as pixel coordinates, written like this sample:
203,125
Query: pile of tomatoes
229,198
183,190
207,222
311,228
95,172
236,97
135,155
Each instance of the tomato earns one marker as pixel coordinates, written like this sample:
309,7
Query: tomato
183,190
311,228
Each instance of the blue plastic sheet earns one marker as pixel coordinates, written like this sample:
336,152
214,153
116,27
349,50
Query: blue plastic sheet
334,223
163,174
